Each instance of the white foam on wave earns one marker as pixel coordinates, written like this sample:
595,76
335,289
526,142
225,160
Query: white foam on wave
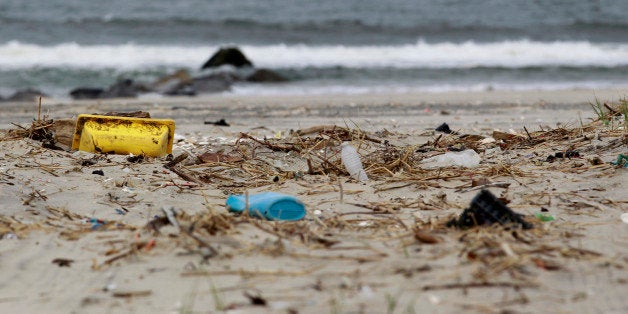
508,54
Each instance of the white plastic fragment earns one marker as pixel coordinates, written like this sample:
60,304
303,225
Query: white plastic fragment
466,159
9,236
624,218
351,160
487,140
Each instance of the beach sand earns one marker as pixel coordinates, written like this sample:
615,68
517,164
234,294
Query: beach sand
78,242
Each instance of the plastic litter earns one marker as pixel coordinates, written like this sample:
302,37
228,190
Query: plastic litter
351,160
624,218
544,217
96,223
221,122
466,158
444,128
486,209
9,236
567,154
268,205
123,135
622,160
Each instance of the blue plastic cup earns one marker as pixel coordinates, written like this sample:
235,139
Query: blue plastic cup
269,205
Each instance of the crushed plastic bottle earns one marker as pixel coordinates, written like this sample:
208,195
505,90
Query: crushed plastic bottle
466,158
351,160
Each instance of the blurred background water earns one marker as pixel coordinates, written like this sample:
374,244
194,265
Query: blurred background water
351,46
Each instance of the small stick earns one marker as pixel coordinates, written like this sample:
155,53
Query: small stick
437,139
190,232
478,285
39,110
341,191
526,129
613,111
130,294
176,160
186,176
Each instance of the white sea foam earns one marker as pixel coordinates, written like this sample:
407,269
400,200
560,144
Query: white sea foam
508,54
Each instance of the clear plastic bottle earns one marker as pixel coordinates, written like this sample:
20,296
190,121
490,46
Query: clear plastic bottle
351,160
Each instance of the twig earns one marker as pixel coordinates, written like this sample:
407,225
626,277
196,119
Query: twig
185,176
479,285
341,191
526,129
39,110
271,146
130,294
176,160
190,232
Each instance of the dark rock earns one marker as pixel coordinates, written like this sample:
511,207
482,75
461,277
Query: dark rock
227,56
26,95
126,88
214,83
486,209
181,90
265,76
87,93
175,84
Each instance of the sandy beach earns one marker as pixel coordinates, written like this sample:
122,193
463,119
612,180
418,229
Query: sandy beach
78,242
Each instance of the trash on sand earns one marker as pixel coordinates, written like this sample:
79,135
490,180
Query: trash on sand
622,160
220,122
486,209
624,218
444,128
351,160
96,223
9,236
269,205
123,135
466,158
544,217
567,154
171,215
63,262
98,172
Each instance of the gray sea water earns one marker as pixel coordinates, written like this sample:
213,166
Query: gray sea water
323,46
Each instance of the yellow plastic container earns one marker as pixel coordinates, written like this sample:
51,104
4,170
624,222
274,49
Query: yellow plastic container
123,135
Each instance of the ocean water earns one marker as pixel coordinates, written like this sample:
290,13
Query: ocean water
351,46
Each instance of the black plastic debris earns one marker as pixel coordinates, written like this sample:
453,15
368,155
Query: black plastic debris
136,158
565,154
486,209
88,162
220,122
444,128
98,172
